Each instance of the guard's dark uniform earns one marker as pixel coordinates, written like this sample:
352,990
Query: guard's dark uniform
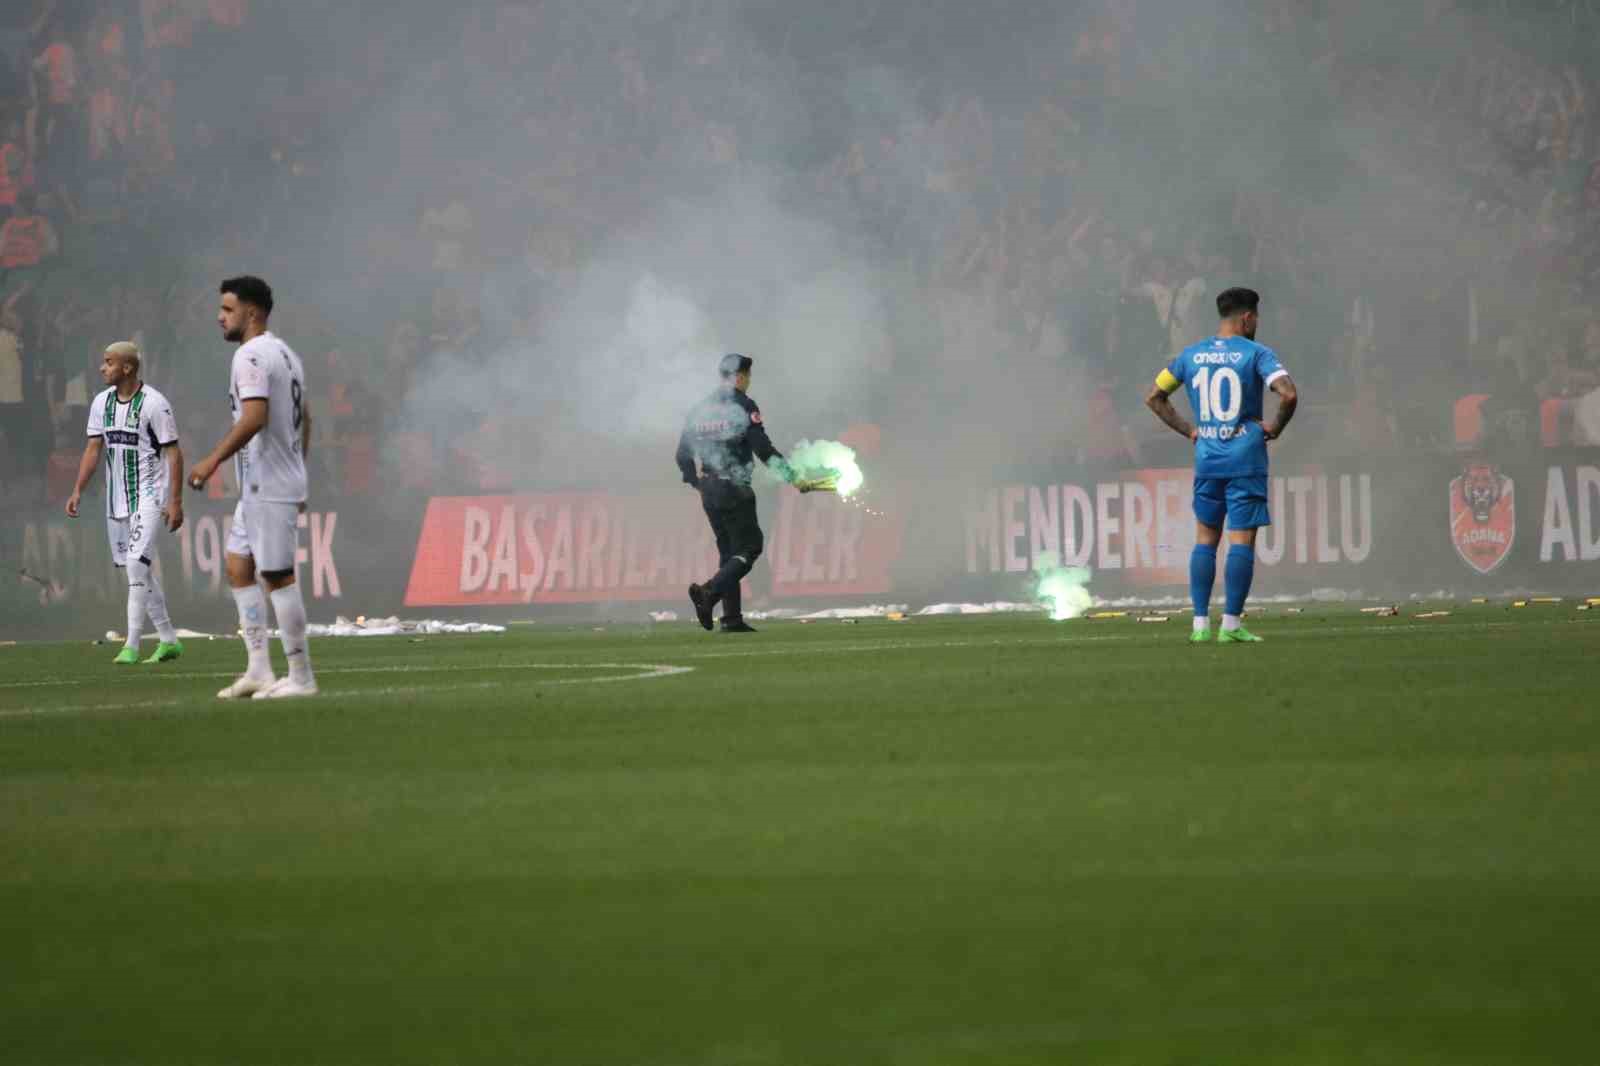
721,440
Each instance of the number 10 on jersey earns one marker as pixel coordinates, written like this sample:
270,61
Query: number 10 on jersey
1214,407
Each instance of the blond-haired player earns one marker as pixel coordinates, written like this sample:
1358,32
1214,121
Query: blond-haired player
132,426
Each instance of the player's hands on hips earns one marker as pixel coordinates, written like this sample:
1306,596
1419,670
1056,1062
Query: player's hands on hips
1194,435
200,473
173,512
72,506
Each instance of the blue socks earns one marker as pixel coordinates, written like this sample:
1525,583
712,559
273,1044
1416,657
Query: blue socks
1202,575
1240,570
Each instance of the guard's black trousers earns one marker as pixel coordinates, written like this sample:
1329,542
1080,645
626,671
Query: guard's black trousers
731,510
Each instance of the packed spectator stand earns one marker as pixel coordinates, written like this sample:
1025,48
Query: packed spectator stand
1424,223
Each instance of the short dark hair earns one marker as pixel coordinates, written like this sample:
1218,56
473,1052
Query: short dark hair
733,364
1232,301
249,289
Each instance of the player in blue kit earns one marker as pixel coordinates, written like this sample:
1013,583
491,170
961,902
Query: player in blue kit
1226,377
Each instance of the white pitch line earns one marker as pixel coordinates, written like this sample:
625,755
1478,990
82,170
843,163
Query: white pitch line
652,671
659,670
30,712
810,649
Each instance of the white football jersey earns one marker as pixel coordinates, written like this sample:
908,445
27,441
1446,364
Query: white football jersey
272,467
135,431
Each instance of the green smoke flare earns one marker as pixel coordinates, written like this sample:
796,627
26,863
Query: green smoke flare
815,458
1064,588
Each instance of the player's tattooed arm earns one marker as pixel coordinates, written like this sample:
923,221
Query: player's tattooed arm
1288,400
1159,402
86,468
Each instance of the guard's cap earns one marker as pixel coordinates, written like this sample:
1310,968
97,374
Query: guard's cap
734,363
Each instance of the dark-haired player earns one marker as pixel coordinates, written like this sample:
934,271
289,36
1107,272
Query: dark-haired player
270,436
1225,377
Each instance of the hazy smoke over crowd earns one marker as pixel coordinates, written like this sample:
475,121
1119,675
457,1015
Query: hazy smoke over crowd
526,230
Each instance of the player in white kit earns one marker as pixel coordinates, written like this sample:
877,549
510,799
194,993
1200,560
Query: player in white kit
269,440
132,425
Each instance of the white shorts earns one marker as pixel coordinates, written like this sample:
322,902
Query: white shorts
134,537
269,533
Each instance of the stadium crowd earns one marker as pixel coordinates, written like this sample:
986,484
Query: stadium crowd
1033,197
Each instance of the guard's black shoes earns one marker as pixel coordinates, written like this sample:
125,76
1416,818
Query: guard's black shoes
702,607
738,625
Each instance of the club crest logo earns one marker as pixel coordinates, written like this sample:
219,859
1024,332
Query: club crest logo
1483,516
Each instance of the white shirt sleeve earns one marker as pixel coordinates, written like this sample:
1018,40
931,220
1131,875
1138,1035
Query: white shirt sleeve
97,416
164,424
251,379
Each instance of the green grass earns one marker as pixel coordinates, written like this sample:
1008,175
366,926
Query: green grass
934,842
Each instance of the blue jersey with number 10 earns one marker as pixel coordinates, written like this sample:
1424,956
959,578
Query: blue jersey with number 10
1225,378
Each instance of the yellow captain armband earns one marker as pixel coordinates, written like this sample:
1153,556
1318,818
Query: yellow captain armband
1167,383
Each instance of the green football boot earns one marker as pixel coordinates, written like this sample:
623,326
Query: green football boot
127,657
1200,636
166,652
1237,636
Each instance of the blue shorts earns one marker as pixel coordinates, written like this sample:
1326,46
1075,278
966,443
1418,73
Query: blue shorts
1242,500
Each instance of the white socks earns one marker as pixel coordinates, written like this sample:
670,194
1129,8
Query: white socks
1229,622
138,596
156,605
1202,623
290,610
253,621
146,598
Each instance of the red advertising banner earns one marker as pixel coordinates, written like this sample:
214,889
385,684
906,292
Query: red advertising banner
596,547
574,547
825,546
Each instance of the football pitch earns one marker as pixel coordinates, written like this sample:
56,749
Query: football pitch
942,841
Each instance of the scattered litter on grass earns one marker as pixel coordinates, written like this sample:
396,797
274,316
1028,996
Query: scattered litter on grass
1433,614
663,616
876,610
1155,618
774,614
1545,599
395,627
1107,614
1382,612
998,607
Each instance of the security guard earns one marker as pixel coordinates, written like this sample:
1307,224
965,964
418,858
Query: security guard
722,434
